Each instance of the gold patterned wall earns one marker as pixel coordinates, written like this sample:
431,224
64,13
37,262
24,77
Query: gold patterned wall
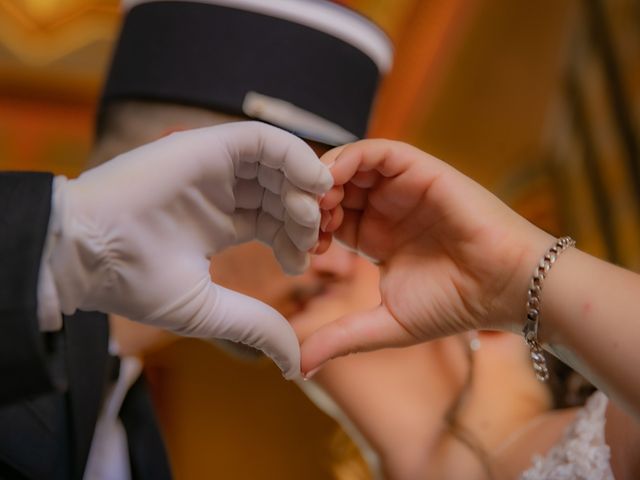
592,141
52,57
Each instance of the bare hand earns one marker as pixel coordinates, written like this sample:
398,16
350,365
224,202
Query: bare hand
452,256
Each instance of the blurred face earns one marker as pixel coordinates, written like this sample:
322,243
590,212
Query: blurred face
337,282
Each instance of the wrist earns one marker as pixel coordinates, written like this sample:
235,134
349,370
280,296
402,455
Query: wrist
534,293
557,298
528,250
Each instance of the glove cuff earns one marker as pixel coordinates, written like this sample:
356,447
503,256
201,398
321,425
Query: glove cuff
66,262
49,318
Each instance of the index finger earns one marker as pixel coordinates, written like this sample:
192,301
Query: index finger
278,149
389,158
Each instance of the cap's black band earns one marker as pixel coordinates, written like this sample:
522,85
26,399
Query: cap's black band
212,56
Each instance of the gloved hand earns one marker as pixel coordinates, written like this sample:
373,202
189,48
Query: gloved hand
134,236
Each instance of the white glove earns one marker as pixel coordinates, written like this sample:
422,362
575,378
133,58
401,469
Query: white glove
133,236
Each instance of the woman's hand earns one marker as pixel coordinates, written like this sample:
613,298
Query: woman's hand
452,256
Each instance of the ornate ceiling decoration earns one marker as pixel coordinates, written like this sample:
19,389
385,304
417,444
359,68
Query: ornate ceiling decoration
41,32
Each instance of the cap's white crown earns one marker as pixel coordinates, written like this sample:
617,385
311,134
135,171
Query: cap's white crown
321,15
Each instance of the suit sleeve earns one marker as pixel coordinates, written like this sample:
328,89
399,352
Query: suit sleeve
29,360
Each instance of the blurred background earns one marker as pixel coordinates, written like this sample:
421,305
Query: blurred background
538,101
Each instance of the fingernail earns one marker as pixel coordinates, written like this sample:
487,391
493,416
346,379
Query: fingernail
326,218
309,375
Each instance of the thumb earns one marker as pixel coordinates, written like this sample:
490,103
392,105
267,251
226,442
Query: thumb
244,319
358,332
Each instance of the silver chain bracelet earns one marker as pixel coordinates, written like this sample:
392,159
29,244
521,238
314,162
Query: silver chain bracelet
530,330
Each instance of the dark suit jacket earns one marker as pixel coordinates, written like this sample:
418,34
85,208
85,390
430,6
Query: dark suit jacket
51,385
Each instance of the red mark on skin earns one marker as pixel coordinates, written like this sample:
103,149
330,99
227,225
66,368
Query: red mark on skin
587,308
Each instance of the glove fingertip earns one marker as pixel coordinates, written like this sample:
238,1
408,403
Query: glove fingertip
293,374
292,260
325,181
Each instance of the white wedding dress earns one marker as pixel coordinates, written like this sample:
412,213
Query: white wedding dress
582,454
